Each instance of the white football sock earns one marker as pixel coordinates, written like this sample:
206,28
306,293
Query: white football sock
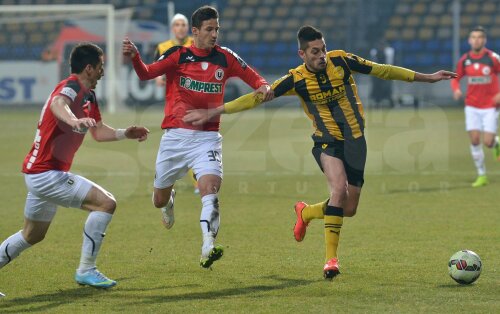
478,157
209,218
93,234
12,247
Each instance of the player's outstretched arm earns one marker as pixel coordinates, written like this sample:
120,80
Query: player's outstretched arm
245,102
392,72
61,110
434,77
104,133
282,87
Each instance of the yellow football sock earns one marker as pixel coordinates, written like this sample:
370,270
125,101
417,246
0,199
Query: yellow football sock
314,211
334,217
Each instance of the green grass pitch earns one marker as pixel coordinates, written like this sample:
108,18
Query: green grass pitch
416,210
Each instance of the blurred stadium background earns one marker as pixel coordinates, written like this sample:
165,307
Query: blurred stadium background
424,35
417,207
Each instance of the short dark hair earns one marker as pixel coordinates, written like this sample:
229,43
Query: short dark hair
84,54
478,28
306,34
204,13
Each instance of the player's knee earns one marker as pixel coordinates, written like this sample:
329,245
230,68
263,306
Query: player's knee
109,205
475,141
159,203
208,188
489,143
160,200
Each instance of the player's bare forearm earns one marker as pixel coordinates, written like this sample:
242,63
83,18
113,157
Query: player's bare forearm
202,116
245,102
61,110
105,133
434,77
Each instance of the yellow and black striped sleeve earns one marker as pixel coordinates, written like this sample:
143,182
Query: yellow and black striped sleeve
245,102
284,86
383,71
281,87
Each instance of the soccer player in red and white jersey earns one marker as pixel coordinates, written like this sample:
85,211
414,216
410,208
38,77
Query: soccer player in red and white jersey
481,66
70,111
195,80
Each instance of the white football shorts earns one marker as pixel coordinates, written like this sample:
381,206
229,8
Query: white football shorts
53,188
183,149
485,120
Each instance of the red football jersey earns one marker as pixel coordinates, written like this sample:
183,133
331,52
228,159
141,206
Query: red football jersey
56,142
482,81
195,80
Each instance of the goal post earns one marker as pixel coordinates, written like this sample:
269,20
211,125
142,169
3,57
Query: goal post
115,24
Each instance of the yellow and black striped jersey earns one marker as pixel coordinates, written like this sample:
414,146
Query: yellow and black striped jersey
330,98
164,46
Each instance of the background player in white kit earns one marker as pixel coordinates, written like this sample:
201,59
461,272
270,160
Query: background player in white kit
68,114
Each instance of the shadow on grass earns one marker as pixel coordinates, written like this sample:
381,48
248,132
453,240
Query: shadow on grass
282,283
428,189
48,301
454,286
51,301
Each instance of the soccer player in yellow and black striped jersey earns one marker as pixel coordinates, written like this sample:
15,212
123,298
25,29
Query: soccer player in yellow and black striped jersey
329,97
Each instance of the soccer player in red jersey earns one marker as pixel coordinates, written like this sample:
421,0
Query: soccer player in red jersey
195,80
70,111
481,66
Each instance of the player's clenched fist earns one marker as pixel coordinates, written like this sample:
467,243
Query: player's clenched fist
137,132
128,48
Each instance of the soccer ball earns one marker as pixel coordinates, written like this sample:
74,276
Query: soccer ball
465,267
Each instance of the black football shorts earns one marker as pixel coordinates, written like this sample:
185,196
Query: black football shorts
351,152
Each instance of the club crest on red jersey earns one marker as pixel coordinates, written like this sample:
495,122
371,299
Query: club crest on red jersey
219,74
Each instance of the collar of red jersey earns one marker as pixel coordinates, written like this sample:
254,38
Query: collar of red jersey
201,52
